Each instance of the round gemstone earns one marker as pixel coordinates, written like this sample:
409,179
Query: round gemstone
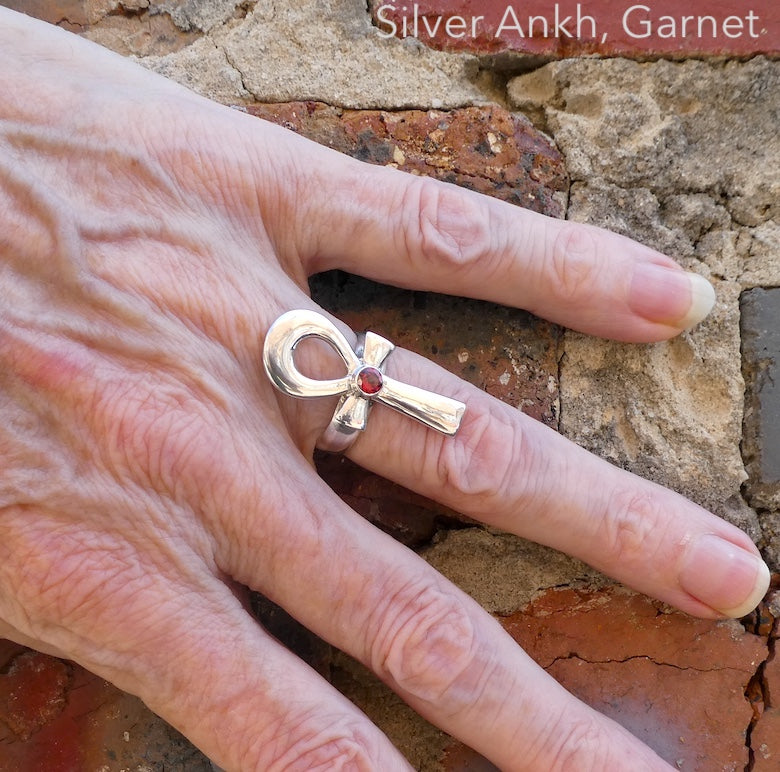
369,381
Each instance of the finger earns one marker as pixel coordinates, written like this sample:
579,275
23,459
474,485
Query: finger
423,234
514,473
435,646
182,642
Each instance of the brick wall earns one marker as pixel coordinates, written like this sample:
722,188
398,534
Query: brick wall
669,138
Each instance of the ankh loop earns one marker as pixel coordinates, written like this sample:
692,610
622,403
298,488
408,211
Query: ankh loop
364,383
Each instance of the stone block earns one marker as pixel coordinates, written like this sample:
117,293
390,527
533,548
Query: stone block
761,351
760,320
331,52
640,142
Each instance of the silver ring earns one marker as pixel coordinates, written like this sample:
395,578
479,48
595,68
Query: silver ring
364,383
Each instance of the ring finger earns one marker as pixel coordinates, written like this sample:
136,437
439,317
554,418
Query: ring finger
512,472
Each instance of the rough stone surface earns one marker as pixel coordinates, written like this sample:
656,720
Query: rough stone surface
327,51
240,51
503,572
658,127
568,28
203,15
205,68
640,142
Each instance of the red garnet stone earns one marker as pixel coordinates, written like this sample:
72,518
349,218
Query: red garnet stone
369,381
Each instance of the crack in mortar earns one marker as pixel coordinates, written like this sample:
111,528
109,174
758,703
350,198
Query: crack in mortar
757,691
659,663
65,20
237,70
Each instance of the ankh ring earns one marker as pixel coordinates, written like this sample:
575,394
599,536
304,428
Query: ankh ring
364,383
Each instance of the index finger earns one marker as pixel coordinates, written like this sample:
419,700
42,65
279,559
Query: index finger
419,233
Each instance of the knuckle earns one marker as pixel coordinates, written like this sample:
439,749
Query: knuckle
428,649
574,263
583,746
484,459
630,526
450,228
342,745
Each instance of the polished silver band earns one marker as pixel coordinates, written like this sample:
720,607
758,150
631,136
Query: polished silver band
364,383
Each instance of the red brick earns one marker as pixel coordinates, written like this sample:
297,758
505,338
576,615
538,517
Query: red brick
32,692
611,34
57,717
765,736
675,682
486,149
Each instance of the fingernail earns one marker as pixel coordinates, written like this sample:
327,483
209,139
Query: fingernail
670,296
702,301
724,576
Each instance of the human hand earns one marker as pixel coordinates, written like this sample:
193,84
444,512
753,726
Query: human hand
149,239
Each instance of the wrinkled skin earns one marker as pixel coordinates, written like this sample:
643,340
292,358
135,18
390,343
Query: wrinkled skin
148,238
